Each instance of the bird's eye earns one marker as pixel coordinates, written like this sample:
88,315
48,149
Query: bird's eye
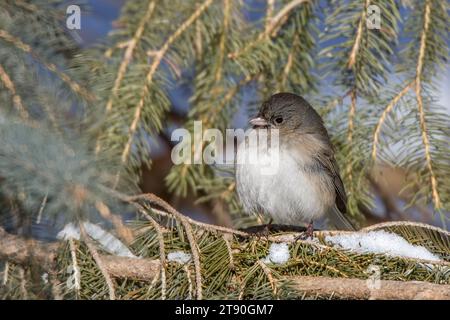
279,120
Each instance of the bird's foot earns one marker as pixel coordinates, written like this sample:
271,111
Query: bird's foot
309,233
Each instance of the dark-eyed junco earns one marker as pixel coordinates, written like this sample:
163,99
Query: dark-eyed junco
306,184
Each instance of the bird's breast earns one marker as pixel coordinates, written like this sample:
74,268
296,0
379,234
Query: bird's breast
282,186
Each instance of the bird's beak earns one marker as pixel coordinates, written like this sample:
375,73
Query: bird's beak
258,122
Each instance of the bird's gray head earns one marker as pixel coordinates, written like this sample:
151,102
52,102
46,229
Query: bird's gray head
289,113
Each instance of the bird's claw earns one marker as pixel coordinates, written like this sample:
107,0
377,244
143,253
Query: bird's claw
309,233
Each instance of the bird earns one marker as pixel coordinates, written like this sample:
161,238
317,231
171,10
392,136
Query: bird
306,184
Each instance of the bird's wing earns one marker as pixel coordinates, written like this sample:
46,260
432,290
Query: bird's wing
328,162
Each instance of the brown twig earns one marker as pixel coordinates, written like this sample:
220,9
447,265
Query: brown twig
288,65
123,231
418,88
41,208
98,261
76,269
226,237
17,100
269,276
387,110
190,235
16,250
162,250
269,13
198,43
223,37
5,273
23,283
188,276
358,37
284,12
161,203
133,268
269,30
351,127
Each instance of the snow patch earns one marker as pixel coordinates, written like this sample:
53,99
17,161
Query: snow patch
179,257
278,253
381,242
69,232
107,241
44,277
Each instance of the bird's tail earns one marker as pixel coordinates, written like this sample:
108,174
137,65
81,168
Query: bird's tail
339,221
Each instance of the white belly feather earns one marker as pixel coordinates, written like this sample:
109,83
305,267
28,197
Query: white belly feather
289,194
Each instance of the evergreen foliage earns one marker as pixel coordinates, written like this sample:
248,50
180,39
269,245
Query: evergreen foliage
75,126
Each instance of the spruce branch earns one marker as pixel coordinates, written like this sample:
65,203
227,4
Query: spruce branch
17,100
350,130
57,169
75,267
275,22
148,270
19,44
358,289
190,235
291,237
359,65
270,31
222,48
12,249
288,65
162,250
269,276
418,90
130,46
353,92
34,9
149,79
125,233
154,199
188,277
19,251
226,239
93,251
23,287
270,7
209,118
382,119
359,33
48,166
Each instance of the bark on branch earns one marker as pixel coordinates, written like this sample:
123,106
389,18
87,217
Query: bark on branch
18,250
359,289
